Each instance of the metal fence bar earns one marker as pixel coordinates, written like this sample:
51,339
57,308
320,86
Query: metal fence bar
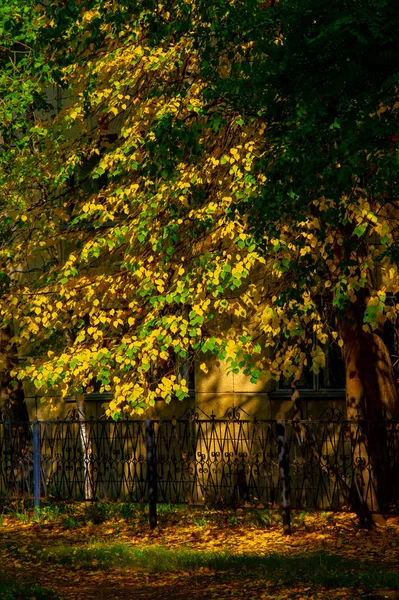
36,464
151,472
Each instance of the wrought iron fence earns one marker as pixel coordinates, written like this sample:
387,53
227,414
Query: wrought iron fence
333,463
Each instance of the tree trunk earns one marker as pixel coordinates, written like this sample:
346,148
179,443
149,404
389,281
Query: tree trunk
371,396
87,448
13,406
12,398
284,469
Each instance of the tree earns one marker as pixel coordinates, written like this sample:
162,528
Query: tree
211,161
327,89
129,231
329,209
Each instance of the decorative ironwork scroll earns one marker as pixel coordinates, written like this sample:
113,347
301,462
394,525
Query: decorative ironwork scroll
202,459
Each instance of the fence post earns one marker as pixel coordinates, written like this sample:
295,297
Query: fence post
151,471
284,468
36,464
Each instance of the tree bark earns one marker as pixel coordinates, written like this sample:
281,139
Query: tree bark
87,448
13,406
371,396
284,469
12,398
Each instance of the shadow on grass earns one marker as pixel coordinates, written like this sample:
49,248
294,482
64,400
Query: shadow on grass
319,568
10,590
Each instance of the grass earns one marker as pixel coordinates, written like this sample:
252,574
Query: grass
69,522
211,546
319,568
74,515
10,590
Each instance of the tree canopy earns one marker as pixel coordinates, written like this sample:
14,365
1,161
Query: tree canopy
182,178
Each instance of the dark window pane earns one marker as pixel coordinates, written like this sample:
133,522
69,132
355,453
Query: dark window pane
307,381
333,376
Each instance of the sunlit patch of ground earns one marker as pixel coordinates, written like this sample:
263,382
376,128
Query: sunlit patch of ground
109,551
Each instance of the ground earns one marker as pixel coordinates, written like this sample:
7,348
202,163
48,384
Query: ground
107,551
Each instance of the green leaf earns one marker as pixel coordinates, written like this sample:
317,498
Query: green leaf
360,230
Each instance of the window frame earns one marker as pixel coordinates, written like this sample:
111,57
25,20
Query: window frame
316,391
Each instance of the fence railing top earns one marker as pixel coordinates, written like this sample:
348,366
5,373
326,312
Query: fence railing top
173,421
234,414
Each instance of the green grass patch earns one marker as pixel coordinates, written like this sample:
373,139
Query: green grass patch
97,512
75,514
9,590
320,568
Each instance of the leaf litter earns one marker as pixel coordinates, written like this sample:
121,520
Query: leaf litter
74,561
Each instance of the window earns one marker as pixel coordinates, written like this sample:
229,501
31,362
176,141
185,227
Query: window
332,377
183,368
